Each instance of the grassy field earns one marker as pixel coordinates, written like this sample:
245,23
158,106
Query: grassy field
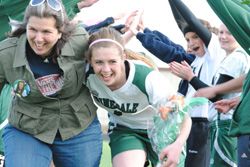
106,156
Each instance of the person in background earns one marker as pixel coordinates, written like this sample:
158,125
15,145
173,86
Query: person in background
56,117
223,146
204,43
235,15
127,90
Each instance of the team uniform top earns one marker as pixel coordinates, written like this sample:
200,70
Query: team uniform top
239,59
132,104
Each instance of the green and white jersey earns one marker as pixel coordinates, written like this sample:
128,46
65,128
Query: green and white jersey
132,104
235,64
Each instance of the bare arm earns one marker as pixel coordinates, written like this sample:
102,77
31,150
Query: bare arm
131,25
173,151
233,85
85,3
185,130
230,86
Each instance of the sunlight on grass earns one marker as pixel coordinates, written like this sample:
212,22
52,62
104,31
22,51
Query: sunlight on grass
106,155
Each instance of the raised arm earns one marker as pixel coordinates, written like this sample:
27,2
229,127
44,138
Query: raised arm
92,28
165,39
85,3
164,50
173,151
185,18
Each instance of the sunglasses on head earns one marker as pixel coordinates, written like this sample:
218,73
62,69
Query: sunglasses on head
54,4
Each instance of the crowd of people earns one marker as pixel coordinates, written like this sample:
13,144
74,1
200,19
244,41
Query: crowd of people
55,72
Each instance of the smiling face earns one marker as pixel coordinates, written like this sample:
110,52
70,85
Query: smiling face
226,39
194,44
108,65
42,34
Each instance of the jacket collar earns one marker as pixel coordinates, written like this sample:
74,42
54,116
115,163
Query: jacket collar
67,50
20,58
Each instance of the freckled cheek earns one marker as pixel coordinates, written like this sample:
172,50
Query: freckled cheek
50,40
31,36
97,69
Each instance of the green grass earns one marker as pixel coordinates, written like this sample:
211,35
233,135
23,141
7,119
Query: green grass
106,155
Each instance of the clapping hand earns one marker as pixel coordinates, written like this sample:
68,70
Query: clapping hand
182,70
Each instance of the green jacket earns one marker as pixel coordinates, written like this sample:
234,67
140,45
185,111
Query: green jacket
240,124
71,112
5,100
15,9
71,7
236,16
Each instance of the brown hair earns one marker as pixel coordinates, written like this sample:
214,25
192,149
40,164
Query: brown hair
214,30
111,33
104,33
131,55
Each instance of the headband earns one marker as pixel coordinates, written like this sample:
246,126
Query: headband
106,40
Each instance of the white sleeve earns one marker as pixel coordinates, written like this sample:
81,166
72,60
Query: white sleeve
235,65
157,87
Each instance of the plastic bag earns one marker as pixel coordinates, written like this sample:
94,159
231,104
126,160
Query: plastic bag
165,129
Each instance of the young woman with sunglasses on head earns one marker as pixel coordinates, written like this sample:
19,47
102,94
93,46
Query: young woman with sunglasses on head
56,117
127,90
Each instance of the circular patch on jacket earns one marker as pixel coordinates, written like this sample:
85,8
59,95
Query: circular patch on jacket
21,88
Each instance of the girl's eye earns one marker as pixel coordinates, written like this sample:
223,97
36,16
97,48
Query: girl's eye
196,36
32,29
46,32
98,62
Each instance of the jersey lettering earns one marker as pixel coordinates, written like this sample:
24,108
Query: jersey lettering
124,107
